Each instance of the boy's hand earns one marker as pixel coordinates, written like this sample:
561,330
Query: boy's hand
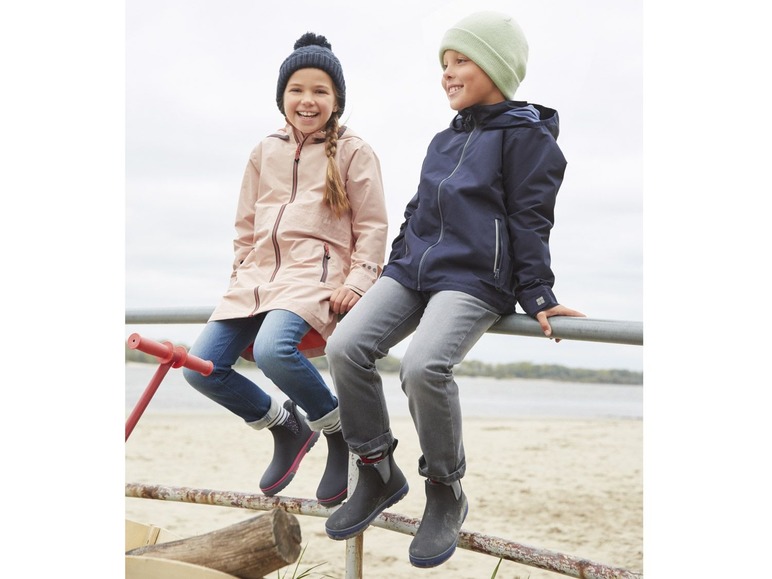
343,299
558,310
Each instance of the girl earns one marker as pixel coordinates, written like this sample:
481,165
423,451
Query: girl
474,241
311,237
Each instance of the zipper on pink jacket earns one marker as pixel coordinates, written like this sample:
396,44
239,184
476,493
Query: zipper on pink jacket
274,233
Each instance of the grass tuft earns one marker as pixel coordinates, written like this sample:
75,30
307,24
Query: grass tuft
305,573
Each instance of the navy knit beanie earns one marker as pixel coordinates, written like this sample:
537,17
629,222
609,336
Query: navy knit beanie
312,51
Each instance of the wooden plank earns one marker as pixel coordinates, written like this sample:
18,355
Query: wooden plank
142,534
152,568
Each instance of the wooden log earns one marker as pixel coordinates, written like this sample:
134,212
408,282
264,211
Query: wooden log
249,550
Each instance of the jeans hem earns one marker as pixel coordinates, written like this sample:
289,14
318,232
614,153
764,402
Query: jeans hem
272,413
379,444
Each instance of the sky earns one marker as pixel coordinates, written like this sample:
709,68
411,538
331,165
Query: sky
200,94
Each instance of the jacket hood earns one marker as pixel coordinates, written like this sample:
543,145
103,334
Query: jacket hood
505,115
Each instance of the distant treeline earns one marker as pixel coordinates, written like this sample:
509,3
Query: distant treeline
390,364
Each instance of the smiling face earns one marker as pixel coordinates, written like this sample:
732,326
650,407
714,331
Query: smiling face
309,100
466,84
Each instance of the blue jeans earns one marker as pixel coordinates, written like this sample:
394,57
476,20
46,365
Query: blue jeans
446,324
276,335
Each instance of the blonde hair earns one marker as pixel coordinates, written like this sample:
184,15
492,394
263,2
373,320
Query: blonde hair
335,192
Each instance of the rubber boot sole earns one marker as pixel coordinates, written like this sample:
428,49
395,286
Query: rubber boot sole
333,501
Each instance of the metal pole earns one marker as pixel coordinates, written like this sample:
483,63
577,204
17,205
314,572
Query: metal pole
354,547
144,400
197,315
565,328
584,329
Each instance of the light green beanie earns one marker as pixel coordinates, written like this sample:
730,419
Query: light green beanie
495,43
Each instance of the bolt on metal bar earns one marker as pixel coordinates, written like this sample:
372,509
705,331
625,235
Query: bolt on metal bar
563,564
565,328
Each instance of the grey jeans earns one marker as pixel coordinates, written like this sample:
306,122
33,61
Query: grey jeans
446,324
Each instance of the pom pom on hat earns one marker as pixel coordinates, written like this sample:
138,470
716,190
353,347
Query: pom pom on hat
495,43
312,51
311,39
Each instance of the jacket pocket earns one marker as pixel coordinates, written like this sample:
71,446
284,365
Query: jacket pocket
325,260
503,265
497,248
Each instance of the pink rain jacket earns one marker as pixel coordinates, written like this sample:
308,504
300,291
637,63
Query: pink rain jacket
291,251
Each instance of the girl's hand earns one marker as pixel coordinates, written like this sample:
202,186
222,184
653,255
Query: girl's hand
558,310
343,299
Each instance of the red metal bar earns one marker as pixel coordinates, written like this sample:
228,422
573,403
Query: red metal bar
167,352
144,400
169,356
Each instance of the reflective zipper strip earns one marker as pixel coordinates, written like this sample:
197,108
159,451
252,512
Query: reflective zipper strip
497,255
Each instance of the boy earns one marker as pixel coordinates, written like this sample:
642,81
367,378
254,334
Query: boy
475,241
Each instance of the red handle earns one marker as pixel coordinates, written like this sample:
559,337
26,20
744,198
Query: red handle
167,352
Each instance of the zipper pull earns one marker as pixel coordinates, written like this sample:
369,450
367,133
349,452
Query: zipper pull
326,251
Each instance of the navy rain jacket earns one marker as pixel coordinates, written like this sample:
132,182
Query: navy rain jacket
481,219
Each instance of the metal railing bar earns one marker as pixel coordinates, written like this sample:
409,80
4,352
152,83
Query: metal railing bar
565,328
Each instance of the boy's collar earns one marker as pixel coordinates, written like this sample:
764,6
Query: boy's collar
500,114
479,114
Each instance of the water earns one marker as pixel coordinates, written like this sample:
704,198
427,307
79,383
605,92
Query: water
479,396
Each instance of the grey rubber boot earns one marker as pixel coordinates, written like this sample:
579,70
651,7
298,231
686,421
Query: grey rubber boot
333,488
380,485
291,441
437,535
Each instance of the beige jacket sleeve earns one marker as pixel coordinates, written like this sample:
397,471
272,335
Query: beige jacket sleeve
369,221
244,241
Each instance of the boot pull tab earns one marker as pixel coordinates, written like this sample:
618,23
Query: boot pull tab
384,469
455,486
380,463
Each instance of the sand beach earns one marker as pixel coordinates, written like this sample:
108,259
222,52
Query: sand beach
565,484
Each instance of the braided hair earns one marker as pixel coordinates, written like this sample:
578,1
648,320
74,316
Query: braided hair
335,192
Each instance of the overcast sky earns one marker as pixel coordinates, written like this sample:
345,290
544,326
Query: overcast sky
200,93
